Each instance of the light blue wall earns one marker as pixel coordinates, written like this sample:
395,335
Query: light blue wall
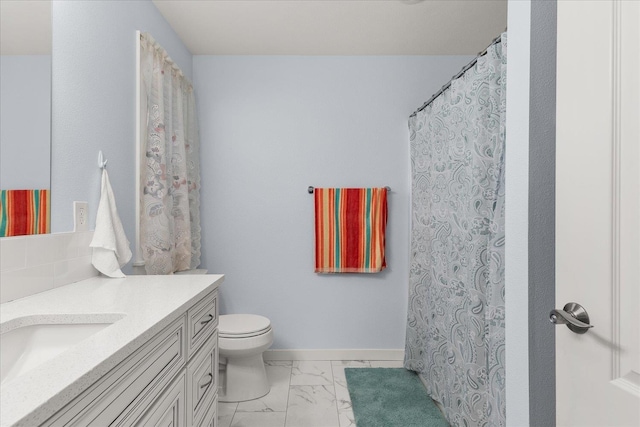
25,118
272,126
94,101
517,214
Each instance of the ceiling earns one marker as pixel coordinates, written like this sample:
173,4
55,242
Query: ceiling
335,27
25,27
294,27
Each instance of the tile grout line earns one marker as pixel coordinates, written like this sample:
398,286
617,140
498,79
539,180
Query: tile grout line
235,411
335,392
286,409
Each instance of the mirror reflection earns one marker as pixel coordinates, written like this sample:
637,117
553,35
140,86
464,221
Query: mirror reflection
25,114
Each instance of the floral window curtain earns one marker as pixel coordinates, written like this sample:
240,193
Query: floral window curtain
170,168
455,328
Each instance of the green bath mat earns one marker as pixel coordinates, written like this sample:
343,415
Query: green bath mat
391,397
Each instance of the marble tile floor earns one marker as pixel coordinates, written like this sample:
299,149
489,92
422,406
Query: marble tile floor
303,394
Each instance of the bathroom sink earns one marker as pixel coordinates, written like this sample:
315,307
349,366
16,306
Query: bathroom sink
25,347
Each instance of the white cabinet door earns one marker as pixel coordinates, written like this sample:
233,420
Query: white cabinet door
597,214
170,409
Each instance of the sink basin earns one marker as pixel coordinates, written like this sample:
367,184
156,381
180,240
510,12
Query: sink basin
25,347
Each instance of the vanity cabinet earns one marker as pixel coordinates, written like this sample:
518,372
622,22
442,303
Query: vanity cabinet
170,380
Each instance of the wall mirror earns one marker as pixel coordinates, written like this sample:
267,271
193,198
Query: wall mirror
25,95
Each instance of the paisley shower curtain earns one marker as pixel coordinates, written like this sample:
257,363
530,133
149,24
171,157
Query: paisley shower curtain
455,327
170,167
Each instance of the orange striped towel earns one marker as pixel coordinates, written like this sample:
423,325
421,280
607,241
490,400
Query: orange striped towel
24,212
350,229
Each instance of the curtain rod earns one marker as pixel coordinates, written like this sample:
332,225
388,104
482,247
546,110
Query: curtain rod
460,73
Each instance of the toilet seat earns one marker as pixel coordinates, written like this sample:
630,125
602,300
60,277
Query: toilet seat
232,326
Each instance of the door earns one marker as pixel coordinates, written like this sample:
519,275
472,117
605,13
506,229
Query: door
597,214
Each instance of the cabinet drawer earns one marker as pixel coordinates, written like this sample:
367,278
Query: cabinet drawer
202,319
202,380
169,409
132,385
211,419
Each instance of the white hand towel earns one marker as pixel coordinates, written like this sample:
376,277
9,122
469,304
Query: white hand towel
110,245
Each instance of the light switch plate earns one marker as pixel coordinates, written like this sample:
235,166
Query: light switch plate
80,216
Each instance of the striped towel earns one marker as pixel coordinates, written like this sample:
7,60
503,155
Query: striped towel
350,229
24,212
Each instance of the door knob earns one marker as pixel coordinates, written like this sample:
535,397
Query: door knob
573,315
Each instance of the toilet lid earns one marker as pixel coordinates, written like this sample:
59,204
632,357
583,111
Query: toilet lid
242,325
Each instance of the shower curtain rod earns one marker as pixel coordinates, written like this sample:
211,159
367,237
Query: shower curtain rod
461,72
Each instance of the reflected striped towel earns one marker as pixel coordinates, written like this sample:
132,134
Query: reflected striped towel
350,229
24,212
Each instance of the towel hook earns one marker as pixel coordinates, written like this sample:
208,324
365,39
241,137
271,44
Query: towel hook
102,163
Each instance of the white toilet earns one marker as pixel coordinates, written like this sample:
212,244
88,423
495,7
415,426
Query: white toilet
242,338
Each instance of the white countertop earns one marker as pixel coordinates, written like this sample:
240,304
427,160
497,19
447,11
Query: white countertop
148,304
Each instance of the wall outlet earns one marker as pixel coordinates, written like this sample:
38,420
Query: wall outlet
80,216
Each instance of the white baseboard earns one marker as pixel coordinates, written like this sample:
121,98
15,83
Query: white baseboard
335,354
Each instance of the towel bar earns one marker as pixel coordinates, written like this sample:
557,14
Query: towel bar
311,189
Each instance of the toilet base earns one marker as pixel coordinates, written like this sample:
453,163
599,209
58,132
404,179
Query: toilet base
243,378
